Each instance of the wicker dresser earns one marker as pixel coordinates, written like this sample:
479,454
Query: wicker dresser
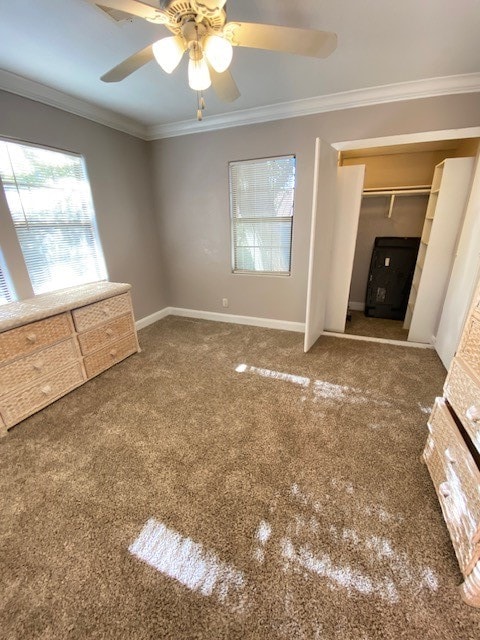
452,454
55,342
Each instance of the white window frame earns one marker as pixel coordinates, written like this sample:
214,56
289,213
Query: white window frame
13,263
254,272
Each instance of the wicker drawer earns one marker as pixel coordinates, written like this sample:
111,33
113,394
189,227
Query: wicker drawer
27,370
106,334
457,482
19,405
476,299
105,358
33,336
92,315
462,390
3,428
465,551
469,348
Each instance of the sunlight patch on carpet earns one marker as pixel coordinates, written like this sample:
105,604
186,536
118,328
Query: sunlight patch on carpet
400,572
276,375
187,562
341,575
324,390
262,535
424,409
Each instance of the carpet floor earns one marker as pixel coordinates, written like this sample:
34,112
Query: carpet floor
361,325
222,484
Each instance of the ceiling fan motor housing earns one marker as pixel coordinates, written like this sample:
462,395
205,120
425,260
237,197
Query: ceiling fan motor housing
207,12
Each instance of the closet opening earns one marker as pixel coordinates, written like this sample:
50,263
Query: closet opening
411,215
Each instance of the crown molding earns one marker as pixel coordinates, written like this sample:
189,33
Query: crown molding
21,86
446,85
431,87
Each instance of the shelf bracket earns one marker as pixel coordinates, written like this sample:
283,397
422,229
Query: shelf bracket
392,202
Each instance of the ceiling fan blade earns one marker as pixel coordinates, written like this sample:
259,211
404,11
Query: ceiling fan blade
129,6
224,85
129,65
304,42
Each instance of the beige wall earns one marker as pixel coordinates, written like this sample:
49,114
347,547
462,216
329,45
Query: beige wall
399,169
119,169
188,264
191,189
468,147
407,220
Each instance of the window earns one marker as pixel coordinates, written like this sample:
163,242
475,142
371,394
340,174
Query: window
261,202
5,295
50,206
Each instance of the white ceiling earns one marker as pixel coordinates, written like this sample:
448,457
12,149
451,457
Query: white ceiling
69,44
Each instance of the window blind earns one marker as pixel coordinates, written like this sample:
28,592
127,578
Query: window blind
5,294
49,199
262,197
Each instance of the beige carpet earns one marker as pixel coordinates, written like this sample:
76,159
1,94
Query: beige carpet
222,484
361,325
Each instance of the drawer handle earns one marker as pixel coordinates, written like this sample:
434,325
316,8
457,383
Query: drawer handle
473,414
109,332
449,456
32,338
444,490
46,389
105,312
113,353
38,366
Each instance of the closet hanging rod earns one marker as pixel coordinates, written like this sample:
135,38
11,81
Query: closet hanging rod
397,191
420,190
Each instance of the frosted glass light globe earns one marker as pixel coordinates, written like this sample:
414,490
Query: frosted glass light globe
198,74
219,52
168,52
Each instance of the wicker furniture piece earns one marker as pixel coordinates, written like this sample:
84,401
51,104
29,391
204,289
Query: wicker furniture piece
452,454
55,342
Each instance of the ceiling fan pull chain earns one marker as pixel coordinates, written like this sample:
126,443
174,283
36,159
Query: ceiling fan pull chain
199,106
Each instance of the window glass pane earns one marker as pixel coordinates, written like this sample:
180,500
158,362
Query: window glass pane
262,195
48,195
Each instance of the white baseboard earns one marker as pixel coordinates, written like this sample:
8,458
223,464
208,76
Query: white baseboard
397,343
356,306
269,323
154,317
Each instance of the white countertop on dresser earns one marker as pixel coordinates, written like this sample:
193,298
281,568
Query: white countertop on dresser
17,314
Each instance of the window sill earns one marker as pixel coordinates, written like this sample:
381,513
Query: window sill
261,273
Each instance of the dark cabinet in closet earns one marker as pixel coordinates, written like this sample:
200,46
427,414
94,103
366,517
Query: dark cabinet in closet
390,277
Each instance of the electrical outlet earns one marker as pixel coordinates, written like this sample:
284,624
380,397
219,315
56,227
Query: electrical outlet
224,302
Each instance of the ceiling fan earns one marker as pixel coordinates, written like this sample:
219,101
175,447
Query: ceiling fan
200,28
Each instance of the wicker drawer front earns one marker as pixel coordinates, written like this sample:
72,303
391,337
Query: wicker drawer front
33,336
469,348
27,370
462,390
106,334
92,315
457,482
464,549
476,299
19,405
101,360
3,428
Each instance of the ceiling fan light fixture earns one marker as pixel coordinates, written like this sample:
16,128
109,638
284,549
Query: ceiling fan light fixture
219,52
198,74
168,52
